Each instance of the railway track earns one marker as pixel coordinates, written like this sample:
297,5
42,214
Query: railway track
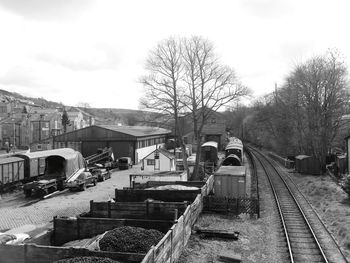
307,238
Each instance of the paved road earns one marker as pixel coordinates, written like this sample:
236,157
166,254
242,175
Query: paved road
16,212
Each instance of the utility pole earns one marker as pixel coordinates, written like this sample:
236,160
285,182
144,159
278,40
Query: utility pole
14,136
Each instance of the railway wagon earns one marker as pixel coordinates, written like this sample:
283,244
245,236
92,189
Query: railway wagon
234,139
235,147
230,181
11,171
232,160
60,165
209,152
34,162
34,165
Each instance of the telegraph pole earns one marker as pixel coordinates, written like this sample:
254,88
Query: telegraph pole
14,136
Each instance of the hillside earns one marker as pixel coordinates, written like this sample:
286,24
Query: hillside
126,117
101,115
7,96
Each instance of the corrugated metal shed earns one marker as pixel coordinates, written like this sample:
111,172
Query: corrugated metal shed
124,140
137,131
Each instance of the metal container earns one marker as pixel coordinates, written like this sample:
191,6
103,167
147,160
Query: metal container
230,181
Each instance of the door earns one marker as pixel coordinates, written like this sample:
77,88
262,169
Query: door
90,148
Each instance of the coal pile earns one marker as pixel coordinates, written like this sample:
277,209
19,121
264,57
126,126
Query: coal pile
130,239
86,260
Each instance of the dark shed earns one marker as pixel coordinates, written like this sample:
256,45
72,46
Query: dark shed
305,164
124,140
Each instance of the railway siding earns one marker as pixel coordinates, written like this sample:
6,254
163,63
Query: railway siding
299,234
326,240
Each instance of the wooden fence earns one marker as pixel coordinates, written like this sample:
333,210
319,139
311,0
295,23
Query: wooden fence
137,210
233,206
283,161
138,195
169,249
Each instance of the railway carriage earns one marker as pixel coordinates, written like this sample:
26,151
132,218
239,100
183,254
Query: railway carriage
209,152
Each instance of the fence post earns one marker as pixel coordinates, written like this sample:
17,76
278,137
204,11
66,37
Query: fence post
78,227
147,208
109,209
237,206
53,237
183,230
175,215
153,253
91,204
171,246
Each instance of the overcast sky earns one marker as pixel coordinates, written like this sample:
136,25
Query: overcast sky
94,51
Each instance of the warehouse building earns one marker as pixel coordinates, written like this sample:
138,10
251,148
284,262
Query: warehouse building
132,141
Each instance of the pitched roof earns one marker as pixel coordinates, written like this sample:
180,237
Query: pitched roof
302,156
165,152
137,131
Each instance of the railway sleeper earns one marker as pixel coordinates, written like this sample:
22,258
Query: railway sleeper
299,239
294,225
298,236
294,220
296,229
294,213
307,259
304,245
306,251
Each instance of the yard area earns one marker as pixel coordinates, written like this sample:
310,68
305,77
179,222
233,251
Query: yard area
28,215
259,239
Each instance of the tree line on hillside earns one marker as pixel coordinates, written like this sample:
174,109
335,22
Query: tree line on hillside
306,115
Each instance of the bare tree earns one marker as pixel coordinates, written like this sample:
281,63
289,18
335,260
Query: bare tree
209,85
321,85
305,114
162,84
186,77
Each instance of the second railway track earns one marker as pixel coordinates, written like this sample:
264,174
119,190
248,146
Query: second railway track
306,242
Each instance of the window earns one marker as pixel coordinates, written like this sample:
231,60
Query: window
150,162
213,120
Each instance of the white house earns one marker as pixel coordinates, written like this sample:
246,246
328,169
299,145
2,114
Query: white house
159,160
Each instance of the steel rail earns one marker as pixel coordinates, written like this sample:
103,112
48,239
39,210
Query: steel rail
318,217
255,175
279,210
296,203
